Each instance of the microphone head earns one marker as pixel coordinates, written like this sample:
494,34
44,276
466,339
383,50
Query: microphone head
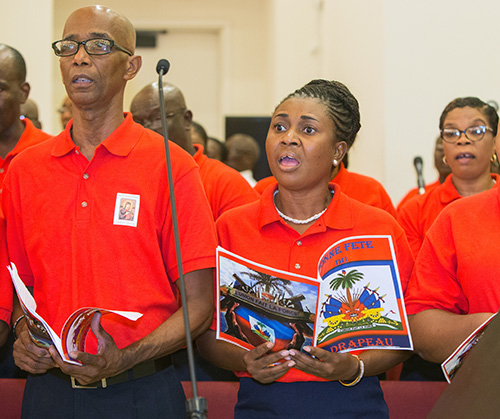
418,162
164,65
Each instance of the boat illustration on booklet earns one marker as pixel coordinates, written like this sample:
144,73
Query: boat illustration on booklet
354,303
75,329
259,304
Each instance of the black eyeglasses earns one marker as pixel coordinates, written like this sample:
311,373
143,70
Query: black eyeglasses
475,133
95,46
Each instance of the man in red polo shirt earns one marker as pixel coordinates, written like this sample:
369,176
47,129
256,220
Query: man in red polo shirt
224,186
62,202
15,136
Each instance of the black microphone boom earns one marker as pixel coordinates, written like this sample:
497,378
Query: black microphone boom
197,406
419,164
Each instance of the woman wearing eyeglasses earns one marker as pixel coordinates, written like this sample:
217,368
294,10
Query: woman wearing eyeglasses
468,129
454,287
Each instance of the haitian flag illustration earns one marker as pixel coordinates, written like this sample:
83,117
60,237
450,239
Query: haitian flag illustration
259,304
360,304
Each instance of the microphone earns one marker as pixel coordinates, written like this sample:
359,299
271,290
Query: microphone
419,164
197,406
164,65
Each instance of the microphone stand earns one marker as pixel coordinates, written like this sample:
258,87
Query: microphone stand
197,406
418,163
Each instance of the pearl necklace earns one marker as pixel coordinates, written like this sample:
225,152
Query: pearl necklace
294,220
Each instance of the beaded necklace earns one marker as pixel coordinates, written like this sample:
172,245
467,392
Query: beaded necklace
295,220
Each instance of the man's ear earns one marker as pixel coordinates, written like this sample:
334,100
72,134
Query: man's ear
25,91
188,120
134,65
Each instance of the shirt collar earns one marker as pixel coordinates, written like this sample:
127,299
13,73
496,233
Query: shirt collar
199,157
23,141
120,142
339,177
338,216
448,193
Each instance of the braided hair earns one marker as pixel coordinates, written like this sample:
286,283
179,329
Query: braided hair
341,106
472,102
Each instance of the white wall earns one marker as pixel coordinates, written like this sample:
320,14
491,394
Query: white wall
27,26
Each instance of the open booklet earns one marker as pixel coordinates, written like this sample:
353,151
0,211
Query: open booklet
354,303
75,329
451,365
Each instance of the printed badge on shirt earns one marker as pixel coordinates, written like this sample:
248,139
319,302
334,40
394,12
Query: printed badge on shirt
126,209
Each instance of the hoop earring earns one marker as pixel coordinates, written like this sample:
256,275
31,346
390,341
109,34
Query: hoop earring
494,158
445,161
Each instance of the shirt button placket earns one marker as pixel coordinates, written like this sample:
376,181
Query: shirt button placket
84,195
297,253
85,203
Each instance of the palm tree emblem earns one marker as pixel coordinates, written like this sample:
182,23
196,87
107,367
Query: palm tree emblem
352,309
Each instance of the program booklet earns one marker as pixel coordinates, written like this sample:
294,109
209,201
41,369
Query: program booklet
354,303
75,329
451,365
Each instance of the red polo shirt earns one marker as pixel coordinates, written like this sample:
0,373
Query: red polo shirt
31,136
362,188
256,232
224,186
262,184
458,267
414,192
99,233
419,213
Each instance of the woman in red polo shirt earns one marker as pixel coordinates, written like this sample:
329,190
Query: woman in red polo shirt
468,130
289,229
